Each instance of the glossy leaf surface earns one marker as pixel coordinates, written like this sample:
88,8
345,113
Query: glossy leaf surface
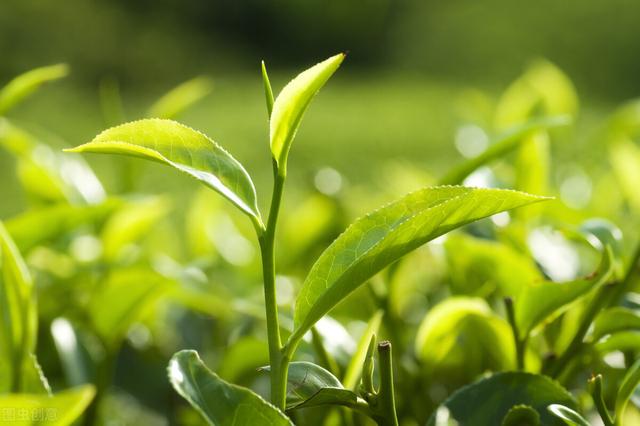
219,402
292,102
380,238
569,416
184,149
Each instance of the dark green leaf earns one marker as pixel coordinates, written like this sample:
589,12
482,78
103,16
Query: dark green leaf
219,402
489,399
521,415
384,236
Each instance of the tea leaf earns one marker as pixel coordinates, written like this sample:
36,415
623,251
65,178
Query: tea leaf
219,402
521,415
25,84
268,91
382,237
489,399
570,417
504,143
627,387
292,102
184,149
614,320
18,322
61,409
354,369
180,98
539,300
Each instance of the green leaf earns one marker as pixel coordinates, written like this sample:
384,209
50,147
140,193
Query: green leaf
61,409
627,387
219,402
131,223
36,227
184,149
375,241
624,156
292,102
614,320
570,417
504,143
310,385
25,84
461,338
180,98
122,299
540,300
73,358
491,398
623,341
354,369
268,92
19,321
521,415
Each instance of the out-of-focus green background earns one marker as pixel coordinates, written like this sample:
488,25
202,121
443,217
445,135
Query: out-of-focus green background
414,72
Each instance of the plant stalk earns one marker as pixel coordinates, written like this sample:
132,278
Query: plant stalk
595,388
386,396
519,343
277,361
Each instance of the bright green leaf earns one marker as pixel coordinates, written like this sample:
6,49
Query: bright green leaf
25,84
61,409
73,358
219,402
570,417
489,399
180,98
382,237
354,369
185,149
292,102
540,300
268,91
504,143
623,341
629,383
614,320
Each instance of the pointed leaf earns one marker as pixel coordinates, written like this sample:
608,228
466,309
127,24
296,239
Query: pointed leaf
354,369
504,143
540,300
627,387
25,84
382,237
268,92
180,98
182,148
61,409
292,102
491,398
570,417
330,396
219,402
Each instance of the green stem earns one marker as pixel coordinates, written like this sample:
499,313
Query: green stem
277,360
519,343
595,388
386,396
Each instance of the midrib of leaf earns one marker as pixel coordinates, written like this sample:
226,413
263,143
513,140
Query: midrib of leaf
346,274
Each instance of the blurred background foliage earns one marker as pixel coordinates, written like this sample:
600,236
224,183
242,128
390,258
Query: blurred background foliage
426,84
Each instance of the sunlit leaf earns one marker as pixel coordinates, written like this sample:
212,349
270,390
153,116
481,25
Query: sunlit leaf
18,322
461,337
570,417
382,237
540,300
504,143
627,387
624,156
292,102
184,149
180,98
25,84
623,341
61,409
354,369
219,402
268,91
489,399
72,356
